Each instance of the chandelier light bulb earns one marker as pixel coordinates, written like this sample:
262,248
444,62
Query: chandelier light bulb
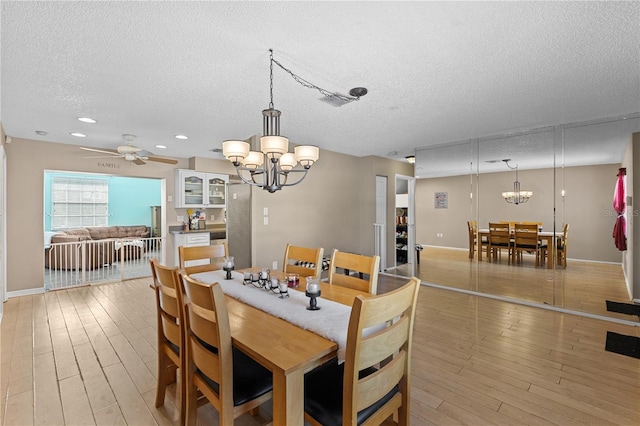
288,162
307,155
274,146
253,160
235,151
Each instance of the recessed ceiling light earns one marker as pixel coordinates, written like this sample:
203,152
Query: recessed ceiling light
78,134
181,137
86,120
41,132
161,146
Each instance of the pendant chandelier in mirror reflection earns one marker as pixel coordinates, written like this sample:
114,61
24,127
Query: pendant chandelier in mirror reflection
272,167
517,196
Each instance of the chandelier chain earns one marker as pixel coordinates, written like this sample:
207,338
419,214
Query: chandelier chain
308,84
271,78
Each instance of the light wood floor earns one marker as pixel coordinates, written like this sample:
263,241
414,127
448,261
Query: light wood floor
87,356
582,286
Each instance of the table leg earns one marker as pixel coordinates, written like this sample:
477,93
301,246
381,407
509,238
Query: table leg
288,401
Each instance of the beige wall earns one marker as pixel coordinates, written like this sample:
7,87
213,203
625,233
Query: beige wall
334,207
587,207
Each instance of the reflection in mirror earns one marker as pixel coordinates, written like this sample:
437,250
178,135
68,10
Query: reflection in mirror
571,170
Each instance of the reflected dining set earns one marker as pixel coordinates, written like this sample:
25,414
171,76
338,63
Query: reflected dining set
517,238
240,339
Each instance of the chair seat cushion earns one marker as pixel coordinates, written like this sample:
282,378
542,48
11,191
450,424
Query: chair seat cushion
528,246
323,390
250,379
501,244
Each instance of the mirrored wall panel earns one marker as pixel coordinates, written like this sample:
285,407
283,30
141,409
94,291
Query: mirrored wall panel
551,190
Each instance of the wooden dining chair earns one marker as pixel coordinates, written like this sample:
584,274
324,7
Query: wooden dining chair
499,239
203,258
226,377
373,383
525,238
170,333
365,268
561,249
472,227
303,260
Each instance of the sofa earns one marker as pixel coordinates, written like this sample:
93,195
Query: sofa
102,246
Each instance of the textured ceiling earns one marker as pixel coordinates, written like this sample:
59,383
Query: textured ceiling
437,72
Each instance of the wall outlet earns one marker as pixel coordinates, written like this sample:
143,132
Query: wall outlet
181,219
266,220
274,266
439,235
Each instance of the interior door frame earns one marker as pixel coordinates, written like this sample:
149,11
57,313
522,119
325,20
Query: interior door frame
380,226
3,227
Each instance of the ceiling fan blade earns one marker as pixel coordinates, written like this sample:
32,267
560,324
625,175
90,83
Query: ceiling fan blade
139,161
103,151
163,160
104,156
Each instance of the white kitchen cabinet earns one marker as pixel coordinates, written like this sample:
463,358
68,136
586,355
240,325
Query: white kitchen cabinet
191,239
199,189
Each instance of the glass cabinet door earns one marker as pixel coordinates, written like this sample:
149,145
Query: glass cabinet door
216,191
193,190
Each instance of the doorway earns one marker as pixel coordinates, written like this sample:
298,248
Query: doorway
405,235
110,204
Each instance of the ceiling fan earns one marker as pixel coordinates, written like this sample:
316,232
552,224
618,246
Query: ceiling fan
130,153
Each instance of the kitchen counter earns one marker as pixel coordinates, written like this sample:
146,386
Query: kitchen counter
210,228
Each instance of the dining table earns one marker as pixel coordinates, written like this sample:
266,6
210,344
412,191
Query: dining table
278,340
551,238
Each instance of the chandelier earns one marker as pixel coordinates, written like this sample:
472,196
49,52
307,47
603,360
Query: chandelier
271,167
516,196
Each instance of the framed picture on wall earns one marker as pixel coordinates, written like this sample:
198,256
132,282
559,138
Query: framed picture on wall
440,200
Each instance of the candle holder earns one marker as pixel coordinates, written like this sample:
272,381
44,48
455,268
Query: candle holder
312,291
283,288
293,280
255,279
228,266
264,278
246,279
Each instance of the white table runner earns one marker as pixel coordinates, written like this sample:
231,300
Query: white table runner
330,322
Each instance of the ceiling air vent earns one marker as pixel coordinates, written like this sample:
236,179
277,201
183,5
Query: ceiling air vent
337,101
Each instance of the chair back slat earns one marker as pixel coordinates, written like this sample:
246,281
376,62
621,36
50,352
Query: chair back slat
203,258
368,266
373,387
306,256
389,344
499,233
382,345
526,235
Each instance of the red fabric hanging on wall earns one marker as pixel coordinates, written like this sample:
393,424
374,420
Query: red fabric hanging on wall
619,204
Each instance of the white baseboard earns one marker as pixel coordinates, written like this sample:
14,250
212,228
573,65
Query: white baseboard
28,292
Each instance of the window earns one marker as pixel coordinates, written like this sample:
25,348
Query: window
79,202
